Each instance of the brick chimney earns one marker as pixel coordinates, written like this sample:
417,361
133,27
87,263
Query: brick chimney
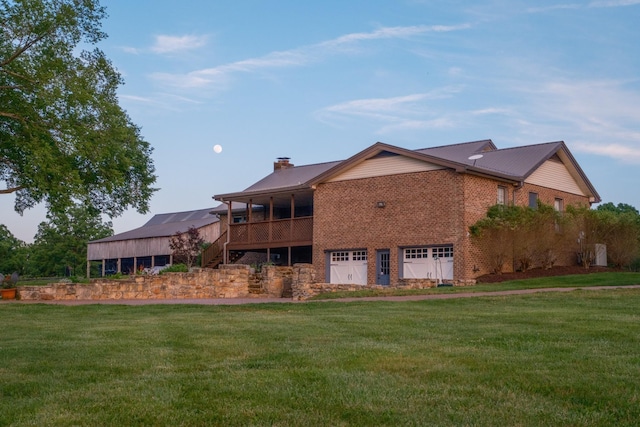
282,163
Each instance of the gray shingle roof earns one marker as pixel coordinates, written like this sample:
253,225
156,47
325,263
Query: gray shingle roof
165,225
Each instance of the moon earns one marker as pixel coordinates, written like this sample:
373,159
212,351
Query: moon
217,148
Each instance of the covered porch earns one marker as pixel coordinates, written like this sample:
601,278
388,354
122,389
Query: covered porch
277,224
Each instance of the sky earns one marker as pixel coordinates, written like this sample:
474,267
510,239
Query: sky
319,81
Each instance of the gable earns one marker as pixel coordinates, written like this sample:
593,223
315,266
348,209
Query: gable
554,174
385,164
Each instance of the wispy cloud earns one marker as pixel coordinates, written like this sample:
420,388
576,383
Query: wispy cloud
554,7
613,3
596,116
391,114
221,75
593,4
176,44
130,49
392,33
491,110
616,151
161,101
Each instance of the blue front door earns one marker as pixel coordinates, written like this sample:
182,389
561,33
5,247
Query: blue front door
382,264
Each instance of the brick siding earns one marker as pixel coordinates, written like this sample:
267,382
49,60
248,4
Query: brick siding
420,209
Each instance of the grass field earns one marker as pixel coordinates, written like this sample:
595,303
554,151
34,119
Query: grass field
544,359
617,278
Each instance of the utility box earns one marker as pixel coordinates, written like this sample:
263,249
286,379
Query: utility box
600,255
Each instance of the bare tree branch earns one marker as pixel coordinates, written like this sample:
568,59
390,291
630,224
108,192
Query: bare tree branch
11,190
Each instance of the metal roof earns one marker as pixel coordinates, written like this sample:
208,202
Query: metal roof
516,162
296,175
165,225
481,157
459,152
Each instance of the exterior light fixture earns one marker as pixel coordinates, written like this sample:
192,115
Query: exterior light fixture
380,204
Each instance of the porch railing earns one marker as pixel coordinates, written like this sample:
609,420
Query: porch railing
280,231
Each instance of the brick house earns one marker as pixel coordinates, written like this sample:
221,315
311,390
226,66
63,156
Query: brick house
389,213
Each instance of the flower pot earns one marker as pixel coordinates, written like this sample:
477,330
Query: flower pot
8,293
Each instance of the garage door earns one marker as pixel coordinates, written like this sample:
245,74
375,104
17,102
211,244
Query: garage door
428,263
348,267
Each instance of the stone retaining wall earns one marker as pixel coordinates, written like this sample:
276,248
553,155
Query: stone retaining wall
304,291
229,281
304,284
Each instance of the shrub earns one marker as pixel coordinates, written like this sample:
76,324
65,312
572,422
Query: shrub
175,268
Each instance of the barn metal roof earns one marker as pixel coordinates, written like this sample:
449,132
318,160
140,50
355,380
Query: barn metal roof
165,225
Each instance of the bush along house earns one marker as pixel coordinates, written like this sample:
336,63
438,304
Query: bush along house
387,213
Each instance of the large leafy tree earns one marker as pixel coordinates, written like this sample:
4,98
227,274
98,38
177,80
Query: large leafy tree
12,252
60,245
63,136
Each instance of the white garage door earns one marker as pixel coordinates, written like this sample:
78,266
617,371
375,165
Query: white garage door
428,263
348,267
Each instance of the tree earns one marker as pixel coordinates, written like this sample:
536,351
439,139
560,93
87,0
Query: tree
620,208
528,237
60,246
186,246
63,137
12,252
623,232
495,235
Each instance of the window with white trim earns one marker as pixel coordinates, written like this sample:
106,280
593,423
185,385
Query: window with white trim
359,255
502,195
416,253
339,256
558,205
443,252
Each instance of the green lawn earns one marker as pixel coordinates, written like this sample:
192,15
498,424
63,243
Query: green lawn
543,359
618,278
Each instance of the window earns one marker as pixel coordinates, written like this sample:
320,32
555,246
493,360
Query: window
502,195
359,255
339,256
443,252
533,200
415,253
558,205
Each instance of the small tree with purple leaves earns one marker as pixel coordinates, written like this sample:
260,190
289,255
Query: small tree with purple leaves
186,246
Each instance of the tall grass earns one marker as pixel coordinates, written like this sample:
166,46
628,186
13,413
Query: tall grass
544,359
